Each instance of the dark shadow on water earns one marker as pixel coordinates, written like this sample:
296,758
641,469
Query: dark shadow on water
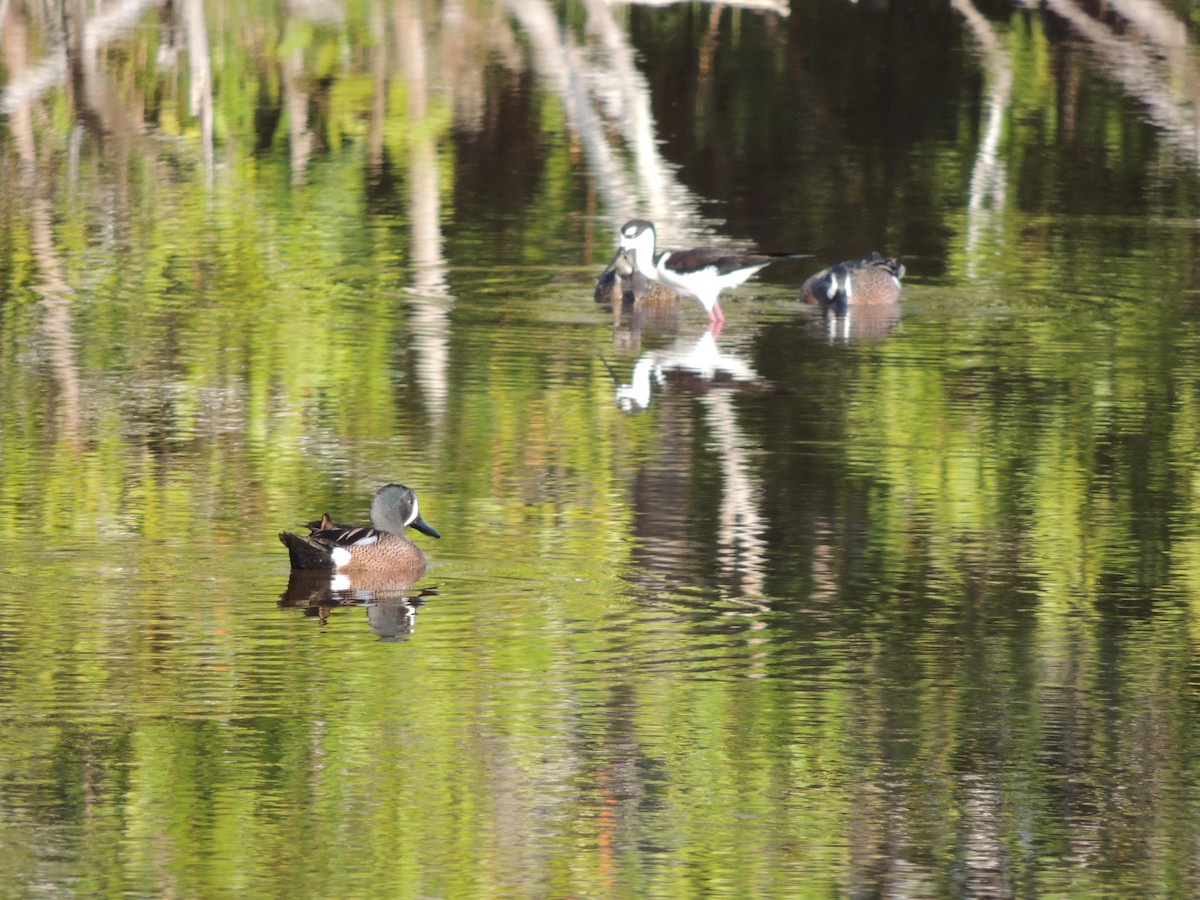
391,603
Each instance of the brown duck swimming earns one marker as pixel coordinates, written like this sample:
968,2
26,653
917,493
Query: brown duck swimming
862,282
358,548
622,282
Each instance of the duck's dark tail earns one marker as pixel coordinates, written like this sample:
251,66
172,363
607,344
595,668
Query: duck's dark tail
305,553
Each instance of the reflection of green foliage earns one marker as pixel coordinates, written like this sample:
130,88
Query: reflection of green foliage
950,513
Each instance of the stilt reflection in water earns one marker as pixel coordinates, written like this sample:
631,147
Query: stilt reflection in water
694,364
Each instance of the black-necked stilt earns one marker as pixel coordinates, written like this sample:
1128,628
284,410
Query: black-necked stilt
862,282
701,273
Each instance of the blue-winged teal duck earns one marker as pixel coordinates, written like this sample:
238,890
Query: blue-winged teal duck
863,282
380,547
702,273
623,283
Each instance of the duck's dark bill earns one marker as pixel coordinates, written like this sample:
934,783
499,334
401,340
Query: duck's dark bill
424,527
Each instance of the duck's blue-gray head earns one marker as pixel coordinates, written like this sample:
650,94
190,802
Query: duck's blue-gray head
394,508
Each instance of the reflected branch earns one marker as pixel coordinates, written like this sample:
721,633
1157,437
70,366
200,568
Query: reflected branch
989,174
432,301
601,91
740,526
112,22
295,100
57,295
200,99
1138,69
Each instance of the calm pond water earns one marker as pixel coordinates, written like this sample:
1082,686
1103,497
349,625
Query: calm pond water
893,605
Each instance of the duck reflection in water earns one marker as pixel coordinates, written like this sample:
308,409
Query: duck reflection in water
860,299
357,565
693,363
390,604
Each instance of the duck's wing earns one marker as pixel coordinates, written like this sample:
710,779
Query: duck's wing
890,265
346,535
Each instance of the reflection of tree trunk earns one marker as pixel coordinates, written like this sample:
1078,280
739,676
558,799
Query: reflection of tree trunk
431,311
1149,16
989,175
664,527
97,105
410,40
56,294
1069,78
611,83
109,23
379,89
200,100
1136,68
657,192
431,301
985,856
295,101
739,525
704,79
15,39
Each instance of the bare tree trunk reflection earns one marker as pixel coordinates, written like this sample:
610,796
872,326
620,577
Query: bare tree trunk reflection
107,24
97,104
56,294
431,301
989,175
200,99
603,94
740,523
698,365
379,89
295,102
1138,68
704,67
